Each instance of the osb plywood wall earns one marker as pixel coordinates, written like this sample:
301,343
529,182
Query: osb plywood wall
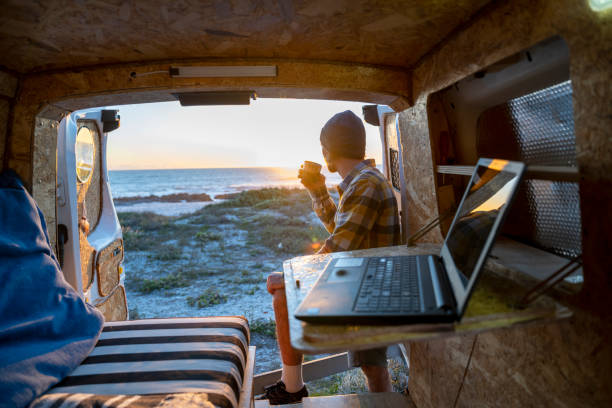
554,365
418,168
564,364
44,185
8,89
5,107
68,33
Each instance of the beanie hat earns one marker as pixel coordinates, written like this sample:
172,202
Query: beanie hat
344,135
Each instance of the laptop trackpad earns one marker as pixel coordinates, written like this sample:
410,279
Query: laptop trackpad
346,270
345,275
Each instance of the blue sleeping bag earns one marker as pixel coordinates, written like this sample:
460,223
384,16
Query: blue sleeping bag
46,329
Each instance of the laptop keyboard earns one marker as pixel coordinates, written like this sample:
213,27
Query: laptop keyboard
390,285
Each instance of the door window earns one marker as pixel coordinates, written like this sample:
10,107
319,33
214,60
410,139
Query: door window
84,151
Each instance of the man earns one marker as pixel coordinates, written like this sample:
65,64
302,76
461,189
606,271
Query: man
366,217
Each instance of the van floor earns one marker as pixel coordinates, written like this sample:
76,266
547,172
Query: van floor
368,400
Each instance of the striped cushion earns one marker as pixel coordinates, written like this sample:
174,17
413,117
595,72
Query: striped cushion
183,400
164,356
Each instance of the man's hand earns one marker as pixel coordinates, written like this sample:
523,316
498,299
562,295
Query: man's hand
312,182
276,281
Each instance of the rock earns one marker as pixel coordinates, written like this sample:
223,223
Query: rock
226,196
170,198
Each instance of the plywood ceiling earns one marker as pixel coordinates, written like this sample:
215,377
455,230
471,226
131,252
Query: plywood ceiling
52,34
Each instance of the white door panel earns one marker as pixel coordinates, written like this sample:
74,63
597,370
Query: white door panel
105,230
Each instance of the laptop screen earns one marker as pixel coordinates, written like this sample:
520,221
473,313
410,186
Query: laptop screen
471,235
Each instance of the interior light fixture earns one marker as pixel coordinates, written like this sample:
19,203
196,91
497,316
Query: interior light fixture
600,5
215,98
224,71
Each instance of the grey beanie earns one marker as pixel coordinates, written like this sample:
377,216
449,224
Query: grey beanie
344,135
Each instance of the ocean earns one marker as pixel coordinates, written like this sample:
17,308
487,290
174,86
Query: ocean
214,182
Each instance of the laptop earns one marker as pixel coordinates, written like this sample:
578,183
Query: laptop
420,288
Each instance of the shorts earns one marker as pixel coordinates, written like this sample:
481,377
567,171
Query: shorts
371,357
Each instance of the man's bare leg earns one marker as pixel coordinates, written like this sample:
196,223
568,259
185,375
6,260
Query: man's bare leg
378,378
292,359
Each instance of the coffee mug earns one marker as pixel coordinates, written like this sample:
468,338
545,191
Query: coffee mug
311,167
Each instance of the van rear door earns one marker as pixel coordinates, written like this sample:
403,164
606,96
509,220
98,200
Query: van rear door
392,159
90,243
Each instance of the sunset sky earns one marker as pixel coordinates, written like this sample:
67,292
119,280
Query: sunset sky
269,132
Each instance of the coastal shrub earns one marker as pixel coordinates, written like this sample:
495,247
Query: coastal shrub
144,221
174,280
204,235
208,298
209,215
266,327
325,386
284,235
135,240
195,270
249,279
295,201
251,198
144,231
167,253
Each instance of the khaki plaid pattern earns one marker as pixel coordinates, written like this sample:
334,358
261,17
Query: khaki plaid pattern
366,215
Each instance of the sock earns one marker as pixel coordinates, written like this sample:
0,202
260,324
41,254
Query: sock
292,377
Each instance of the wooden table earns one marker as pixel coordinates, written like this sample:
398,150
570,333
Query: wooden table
491,307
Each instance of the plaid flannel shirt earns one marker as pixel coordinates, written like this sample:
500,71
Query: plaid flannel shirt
366,215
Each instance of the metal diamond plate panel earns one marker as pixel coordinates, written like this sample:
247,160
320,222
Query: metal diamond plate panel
555,210
538,129
544,126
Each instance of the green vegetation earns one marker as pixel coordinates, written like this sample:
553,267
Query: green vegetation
208,298
167,253
263,327
290,202
325,386
135,240
204,235
292,236
144,231
249,279
174,280
145,221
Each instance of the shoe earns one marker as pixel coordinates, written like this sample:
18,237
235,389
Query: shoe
277,394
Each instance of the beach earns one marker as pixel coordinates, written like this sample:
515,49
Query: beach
213,257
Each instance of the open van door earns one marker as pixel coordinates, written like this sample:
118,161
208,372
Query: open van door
90,243
393,166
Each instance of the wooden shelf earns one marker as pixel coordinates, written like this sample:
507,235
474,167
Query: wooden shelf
553,173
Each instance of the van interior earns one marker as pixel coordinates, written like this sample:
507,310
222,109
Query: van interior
444,82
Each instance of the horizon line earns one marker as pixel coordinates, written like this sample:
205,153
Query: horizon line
209,168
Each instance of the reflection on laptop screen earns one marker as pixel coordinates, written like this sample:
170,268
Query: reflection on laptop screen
489,191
